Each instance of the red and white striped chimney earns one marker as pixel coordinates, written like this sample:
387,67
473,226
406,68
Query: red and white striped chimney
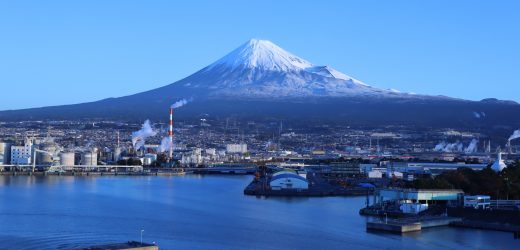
171,133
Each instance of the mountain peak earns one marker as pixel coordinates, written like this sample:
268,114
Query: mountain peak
262,54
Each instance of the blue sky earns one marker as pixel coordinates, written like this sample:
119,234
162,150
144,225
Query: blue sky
62,52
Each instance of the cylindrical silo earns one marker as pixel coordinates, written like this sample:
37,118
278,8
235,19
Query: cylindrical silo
89,158
45,158
67,159
5,152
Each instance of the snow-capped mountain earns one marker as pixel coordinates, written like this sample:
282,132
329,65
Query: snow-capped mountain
261,55
260,80
261,69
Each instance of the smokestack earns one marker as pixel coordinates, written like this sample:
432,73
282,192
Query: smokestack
171,133
509,146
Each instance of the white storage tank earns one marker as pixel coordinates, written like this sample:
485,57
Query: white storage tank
43,158
5,153
67,159
89,158
149,159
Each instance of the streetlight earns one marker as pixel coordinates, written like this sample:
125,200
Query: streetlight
142,230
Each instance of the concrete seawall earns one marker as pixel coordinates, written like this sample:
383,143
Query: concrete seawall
405,225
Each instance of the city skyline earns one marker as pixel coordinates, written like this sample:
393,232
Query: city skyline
56,50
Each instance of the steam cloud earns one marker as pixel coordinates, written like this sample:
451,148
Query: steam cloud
139,137
165,142
457,147
472,147
449,147
515,135
180,103
165,145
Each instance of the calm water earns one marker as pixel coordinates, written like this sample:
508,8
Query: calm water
194,212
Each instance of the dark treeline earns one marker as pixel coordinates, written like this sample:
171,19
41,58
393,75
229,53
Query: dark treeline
503,185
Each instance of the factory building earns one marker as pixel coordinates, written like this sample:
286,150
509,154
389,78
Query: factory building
425,167
236,148
344,169
22,155
194,158
288,179
418,200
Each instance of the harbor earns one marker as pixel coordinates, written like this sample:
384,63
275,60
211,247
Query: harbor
197,212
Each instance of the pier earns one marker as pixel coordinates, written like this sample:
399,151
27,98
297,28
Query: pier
413,224
131,245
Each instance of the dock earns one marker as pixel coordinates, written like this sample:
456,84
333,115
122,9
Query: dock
410,224
131,245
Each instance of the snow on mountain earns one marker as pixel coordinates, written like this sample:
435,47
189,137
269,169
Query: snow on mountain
260,69
330,72
264,55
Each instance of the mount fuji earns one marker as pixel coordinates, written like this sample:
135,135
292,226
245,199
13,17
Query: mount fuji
259,69
260,80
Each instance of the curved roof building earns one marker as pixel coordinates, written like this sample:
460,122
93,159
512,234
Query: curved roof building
288,180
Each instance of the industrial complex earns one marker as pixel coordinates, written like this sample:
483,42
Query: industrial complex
391,166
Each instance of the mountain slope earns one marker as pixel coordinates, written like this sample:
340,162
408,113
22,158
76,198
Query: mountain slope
259,80
261,69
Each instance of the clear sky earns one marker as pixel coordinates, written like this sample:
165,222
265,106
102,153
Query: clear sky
63,52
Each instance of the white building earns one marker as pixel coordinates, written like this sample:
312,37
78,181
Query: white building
287,179
375,174
236,148
194,158
477,201
22,155
149,159
211,151
412,208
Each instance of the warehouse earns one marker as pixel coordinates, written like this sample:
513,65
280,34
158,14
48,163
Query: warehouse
287,179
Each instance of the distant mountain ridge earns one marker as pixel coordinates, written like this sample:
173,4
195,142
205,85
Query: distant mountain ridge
260,80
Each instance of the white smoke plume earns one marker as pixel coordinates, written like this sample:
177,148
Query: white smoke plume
165,145
180,103
472,147
440,147
139,137
449,147
515,135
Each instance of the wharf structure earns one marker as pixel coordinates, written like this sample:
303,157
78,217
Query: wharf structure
400,202
131,245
